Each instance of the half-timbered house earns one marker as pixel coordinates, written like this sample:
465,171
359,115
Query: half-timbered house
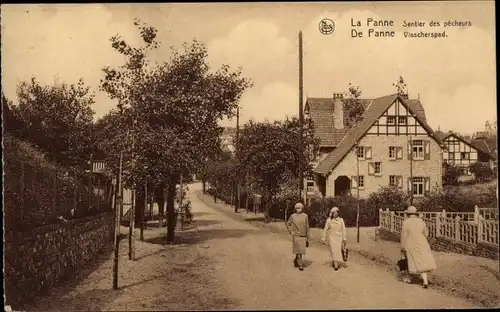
391,146
462,152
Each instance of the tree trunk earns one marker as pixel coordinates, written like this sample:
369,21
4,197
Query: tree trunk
139,204
267,208
171,211
160,200
204,185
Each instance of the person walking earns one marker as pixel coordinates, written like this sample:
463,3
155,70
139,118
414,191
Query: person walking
414,234
337,238
298,226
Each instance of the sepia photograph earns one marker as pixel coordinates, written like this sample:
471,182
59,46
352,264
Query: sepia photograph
249,156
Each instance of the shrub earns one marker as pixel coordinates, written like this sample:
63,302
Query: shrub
451,174
389,197
319,210
482,171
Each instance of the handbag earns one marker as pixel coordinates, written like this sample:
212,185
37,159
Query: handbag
403,263
345,252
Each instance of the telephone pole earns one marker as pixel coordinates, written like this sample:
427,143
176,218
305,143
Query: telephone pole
131,236
357,193
410,157
237,202
118,209
301,118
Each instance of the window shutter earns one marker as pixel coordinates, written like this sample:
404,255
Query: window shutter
354,182
427,150
371,168
399,181
368,152
427,186
410,189
399,153
409,150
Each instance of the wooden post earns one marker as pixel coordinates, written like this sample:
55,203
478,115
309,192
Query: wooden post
393,221
457,228
301,116
99,196
54,194
90,183
476,214
438,224
143,210
118,209
380,218
480,230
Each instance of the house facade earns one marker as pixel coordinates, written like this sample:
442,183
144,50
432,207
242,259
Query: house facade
459,152
391,146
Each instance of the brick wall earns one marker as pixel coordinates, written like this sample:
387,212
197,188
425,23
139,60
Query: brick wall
37,259
441,244
380,153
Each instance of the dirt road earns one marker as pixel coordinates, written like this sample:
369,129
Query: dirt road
256,267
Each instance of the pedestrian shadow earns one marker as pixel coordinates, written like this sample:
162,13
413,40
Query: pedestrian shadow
194,237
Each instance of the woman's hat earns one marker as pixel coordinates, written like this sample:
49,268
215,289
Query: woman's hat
411,210
299,206
334,209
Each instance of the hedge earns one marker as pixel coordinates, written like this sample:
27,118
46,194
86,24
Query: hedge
451,198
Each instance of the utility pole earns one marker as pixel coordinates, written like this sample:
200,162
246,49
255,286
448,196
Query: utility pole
301,118
118,209
410,157
357,193
131,236
237,203
143,210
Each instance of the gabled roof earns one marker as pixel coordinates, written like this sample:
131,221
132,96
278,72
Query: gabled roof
375,110
487,145
321,112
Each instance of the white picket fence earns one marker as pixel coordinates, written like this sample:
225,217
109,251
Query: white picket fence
471,228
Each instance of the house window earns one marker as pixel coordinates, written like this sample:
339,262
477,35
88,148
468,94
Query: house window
396,181
392,181
418,149
418,186
402,120
392,152
378,168
451,156
360,152
361,181
391,121
465,156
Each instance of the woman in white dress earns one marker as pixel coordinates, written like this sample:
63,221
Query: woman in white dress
414,234
337,238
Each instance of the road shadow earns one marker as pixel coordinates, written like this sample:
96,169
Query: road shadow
200,223
66,286
201,214
149,255
205,235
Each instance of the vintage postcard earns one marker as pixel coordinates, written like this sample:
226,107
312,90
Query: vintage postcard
250,156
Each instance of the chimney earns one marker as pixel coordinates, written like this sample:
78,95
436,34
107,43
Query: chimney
338,111
404,96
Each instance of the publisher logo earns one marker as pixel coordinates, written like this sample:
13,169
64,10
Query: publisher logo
326,26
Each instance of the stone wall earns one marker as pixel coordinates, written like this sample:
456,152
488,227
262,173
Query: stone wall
441,244
37,259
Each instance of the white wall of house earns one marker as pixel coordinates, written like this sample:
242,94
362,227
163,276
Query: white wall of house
379,166
460,154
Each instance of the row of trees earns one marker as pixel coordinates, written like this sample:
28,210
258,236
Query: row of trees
165,124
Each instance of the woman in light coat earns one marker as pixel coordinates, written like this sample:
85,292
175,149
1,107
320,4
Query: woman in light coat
337,237
414,234
298,227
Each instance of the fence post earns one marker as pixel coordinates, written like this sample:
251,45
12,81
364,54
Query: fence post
380,218
476,214
480,229
438,225
393,221
457,228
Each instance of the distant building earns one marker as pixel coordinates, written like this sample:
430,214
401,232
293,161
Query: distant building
227,137
393,128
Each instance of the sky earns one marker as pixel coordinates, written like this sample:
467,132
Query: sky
454,77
